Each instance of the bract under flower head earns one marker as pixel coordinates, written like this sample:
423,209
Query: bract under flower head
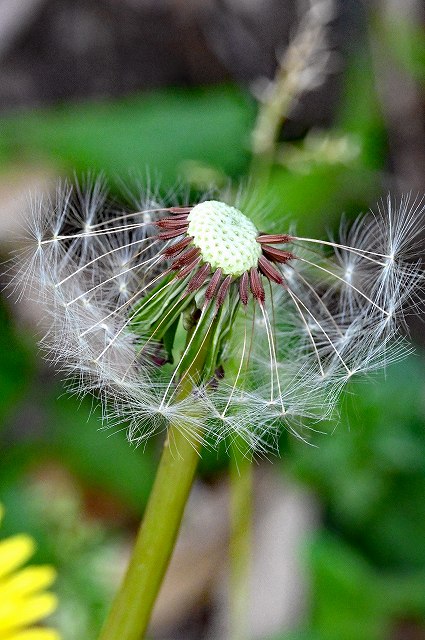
188,315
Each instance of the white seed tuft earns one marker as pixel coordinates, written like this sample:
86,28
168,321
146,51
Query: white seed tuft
286,362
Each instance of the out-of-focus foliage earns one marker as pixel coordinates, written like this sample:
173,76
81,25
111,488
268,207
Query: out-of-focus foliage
16,368
101,460
367,570
406,41
315,197
155,133
371,470
353,601
368,576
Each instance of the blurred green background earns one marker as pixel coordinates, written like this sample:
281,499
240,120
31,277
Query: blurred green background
81,490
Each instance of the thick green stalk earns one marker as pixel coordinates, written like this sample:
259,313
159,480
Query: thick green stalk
132,607
240,540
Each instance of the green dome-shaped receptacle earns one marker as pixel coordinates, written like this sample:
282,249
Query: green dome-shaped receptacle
225,236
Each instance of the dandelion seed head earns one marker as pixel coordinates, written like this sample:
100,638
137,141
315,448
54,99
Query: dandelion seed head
136,299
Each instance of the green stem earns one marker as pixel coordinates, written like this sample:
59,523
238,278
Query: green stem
240,540
132,607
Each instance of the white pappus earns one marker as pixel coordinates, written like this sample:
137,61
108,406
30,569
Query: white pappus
189,315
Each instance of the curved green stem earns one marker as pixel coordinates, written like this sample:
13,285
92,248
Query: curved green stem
132,607
240,540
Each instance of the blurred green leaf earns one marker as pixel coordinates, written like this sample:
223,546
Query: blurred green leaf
405,41
370,471
352,601
157,132
316,200
69,433
100,458
348,601
16,365
360,113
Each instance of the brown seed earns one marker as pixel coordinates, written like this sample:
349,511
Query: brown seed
222,292
174,233
199,278
269,270
244,288
185,258
172,223
277,255
274,238
176,248
211,289
188,268
256,285
180,209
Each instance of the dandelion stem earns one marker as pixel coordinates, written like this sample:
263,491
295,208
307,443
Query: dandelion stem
240,539
132,607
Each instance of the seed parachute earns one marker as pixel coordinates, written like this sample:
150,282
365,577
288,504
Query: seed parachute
191,315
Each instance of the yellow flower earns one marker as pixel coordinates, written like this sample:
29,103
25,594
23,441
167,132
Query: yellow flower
23,599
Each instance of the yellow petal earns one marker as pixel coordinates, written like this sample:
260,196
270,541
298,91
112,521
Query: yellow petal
35,634
26,582
19,613
14,552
